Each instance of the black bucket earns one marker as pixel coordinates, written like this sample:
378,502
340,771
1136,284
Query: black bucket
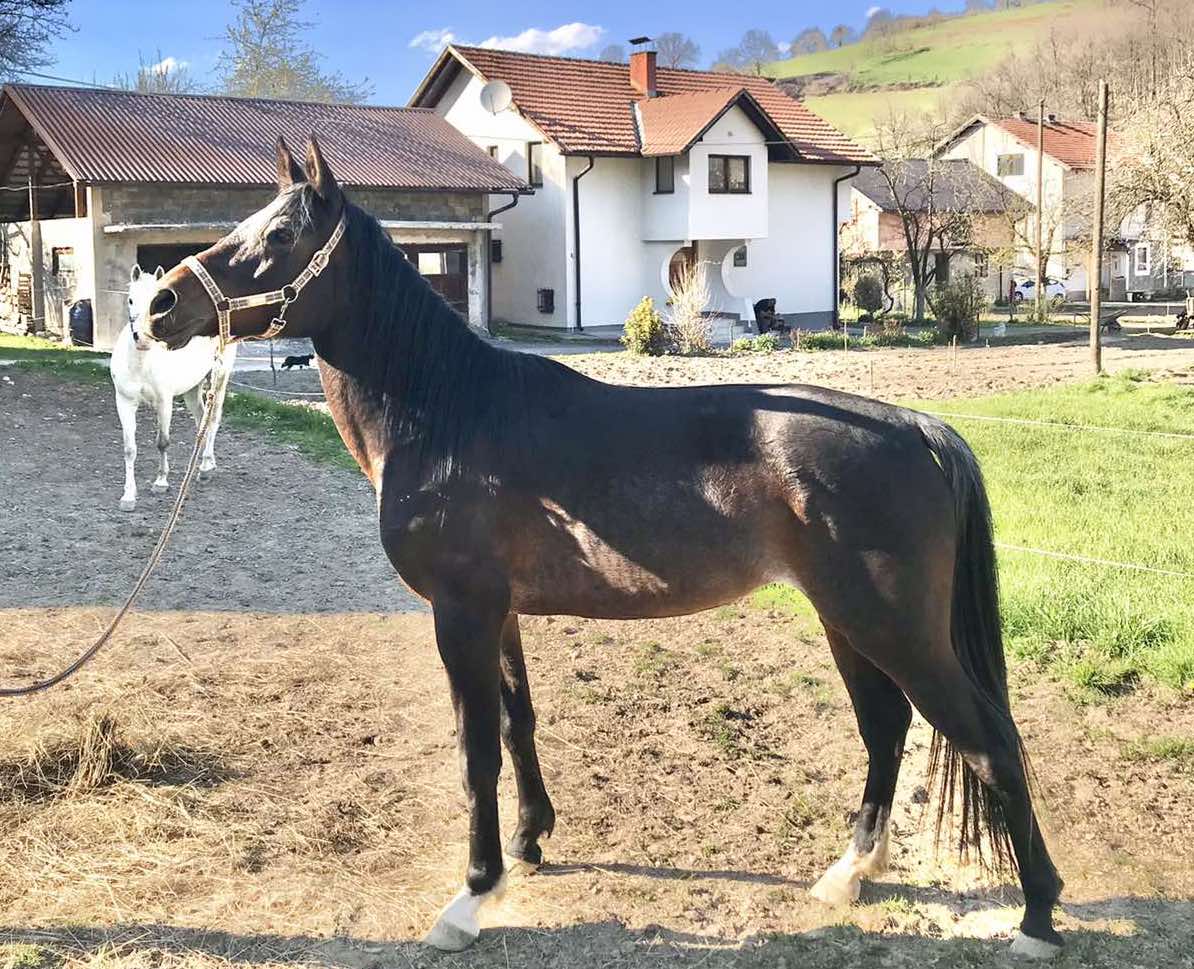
82,324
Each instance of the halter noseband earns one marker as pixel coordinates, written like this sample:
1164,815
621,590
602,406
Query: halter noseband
226,306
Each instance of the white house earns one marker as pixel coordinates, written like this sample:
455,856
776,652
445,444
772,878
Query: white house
638,169
1139,261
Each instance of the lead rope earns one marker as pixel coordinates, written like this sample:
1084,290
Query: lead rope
214,402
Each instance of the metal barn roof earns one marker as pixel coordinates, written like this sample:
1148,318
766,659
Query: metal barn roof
103,137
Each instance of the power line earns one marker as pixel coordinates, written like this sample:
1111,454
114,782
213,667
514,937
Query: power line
67,80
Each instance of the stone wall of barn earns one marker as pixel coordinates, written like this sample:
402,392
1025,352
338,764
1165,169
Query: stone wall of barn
124,217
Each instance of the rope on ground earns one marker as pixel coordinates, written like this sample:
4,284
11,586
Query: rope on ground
1059,425
1088,560
215,400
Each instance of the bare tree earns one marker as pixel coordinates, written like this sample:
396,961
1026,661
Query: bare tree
161,76
613,52
810,41
26,29
841,35
758,49
1154,162
265,55
677,50
932,202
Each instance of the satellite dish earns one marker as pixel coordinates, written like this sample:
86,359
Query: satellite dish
496,96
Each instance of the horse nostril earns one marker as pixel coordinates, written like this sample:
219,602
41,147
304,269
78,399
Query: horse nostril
164,300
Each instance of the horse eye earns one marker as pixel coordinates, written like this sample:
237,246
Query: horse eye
281,236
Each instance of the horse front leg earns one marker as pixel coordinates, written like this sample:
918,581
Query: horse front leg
536,816
165,412
467,632
126,410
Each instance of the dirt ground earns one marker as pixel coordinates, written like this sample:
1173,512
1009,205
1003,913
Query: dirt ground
281,786
271,532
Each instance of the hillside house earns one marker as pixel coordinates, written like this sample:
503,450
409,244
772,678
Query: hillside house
980,213
97,180
1139,261
639,170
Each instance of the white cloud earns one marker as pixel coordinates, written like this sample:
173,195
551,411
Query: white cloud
167,65
785,47
561,40
433,41
871,11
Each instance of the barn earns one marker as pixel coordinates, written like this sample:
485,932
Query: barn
95,180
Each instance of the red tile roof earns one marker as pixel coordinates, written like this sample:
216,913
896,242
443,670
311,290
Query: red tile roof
1070,142
108,136
670,125
586,107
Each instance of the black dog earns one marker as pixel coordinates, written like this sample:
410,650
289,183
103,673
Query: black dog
301,362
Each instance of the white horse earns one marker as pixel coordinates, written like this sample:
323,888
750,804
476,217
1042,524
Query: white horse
144,371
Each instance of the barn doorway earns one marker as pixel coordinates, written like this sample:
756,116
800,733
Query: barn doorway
167,255
445,267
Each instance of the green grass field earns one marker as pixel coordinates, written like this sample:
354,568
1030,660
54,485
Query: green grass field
1119,497
13,347
941,53
926,63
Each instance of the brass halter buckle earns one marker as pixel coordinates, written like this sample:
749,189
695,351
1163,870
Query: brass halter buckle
225,306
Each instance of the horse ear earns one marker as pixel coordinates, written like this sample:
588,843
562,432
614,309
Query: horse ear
319,174
134,273
159,273
289,170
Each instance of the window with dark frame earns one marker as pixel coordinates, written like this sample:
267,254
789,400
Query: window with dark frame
493,151
665,175
729,174
535,163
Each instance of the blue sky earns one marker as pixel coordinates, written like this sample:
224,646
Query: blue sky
375,39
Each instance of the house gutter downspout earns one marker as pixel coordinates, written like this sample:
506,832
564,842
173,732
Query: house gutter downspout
489,259
576,231
837,262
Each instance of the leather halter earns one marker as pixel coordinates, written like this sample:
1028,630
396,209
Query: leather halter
226,306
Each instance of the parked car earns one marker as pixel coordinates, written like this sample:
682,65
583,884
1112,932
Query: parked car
1025,291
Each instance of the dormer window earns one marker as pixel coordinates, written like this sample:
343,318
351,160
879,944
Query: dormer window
729,174
665,174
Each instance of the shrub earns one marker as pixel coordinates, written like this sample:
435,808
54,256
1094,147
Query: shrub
643,332
764,343
689,326
958,306
868,294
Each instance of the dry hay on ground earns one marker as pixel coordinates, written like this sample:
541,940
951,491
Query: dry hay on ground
267,789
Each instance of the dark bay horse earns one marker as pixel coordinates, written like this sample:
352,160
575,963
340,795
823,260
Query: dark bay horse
508,483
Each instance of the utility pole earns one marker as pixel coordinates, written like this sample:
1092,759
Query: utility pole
1096,235
1040,209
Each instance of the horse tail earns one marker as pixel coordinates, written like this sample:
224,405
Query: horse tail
977,636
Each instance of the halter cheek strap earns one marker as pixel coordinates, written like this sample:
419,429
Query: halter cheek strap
226,306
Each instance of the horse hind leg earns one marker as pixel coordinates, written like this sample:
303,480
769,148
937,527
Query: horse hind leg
883,714
126,410
165,412
536,816
193,398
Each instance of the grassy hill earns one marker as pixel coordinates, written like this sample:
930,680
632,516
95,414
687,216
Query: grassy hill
916,68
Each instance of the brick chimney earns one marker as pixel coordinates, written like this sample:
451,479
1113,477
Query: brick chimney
642,67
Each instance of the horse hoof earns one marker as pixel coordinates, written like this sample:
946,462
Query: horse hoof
448,937
521,866
1030,947
837,887
128,504
159,487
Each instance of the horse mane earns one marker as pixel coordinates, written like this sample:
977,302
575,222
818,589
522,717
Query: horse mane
447,394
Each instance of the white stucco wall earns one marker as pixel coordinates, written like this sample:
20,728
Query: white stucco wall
534,253
983,146
729,216
665,217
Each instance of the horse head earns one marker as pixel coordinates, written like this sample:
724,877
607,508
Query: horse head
266,255
142,286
